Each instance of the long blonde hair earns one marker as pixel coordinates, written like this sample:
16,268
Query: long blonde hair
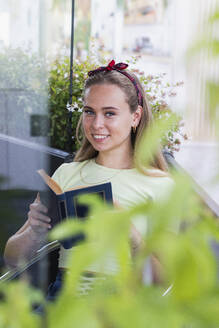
87,151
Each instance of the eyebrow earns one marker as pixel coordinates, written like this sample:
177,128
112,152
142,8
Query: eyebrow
104,108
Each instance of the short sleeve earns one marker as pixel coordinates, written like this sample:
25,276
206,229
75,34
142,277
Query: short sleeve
164,189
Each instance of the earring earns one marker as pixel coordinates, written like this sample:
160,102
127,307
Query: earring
134,128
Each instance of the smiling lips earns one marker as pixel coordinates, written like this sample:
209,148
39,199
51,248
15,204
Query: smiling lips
99,137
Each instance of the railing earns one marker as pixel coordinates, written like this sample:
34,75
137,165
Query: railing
204,196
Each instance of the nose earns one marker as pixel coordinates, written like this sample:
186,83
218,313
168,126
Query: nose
98,121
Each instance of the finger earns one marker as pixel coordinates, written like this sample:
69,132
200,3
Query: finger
38,216
38,197
41,217
38,207
37,224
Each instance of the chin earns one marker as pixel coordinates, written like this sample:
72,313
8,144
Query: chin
100,148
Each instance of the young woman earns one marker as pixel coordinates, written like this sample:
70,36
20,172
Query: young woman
115,115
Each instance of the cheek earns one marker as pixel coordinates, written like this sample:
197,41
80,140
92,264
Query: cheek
121,127
126,122
85,125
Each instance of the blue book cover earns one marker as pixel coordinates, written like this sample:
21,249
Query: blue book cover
64,205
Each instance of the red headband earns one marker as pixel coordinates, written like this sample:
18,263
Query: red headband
120,67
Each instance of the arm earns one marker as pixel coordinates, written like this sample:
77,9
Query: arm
137,244
135,241
25,242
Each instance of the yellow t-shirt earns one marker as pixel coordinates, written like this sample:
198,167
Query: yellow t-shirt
129,187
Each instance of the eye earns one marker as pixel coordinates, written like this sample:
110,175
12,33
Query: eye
109,114
88,112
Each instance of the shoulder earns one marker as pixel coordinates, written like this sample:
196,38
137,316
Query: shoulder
68,166
159,182
67,169
164,186
160,177
157,175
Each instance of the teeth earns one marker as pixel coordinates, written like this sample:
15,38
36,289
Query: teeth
99,137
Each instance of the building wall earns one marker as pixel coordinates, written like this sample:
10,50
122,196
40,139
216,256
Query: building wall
21,24
107,23
144,12
194,70
22,28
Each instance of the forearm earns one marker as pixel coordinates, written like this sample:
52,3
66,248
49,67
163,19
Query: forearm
22,246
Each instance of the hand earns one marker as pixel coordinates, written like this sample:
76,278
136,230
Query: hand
135,236
38,221
136,240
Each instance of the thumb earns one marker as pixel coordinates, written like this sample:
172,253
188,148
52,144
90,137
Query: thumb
37,200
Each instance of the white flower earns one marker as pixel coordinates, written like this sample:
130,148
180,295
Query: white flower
73,107
70,108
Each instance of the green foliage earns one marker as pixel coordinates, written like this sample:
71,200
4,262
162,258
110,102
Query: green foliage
16,303
16,65
24,91
152,137
212,85
82,33
121,299
156,90
59,85
158,94
121,3
24,72
44,89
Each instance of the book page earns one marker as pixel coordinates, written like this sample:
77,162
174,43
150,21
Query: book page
50,182
54,185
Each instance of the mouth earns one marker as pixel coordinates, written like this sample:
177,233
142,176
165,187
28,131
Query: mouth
99,136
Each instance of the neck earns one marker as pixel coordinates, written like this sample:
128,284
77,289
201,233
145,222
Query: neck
116,160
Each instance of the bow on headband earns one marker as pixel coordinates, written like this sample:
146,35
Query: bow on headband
120,67
111,66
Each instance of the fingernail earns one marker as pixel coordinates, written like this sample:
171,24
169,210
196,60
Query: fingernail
38,196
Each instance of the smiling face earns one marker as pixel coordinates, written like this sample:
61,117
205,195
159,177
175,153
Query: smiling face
107,119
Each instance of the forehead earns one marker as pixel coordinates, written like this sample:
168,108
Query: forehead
104,92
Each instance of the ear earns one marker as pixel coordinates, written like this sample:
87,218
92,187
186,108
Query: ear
137,116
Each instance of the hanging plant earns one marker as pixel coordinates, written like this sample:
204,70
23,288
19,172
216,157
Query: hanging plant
157,91
46,87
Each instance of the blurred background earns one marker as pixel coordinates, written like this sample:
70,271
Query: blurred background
158,33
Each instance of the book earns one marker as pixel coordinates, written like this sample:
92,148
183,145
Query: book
63,205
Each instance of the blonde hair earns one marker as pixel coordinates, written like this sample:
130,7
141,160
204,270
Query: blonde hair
87,151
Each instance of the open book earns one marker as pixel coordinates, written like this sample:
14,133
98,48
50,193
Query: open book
63,205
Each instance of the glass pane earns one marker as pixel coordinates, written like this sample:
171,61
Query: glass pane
24,124
35,42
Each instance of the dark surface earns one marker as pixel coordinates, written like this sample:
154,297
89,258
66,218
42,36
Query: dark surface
19,184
